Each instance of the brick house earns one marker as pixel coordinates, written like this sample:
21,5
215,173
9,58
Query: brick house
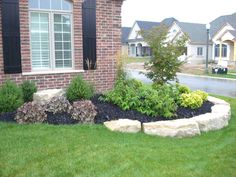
51,41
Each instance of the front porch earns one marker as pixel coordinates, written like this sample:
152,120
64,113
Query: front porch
224,48
139,50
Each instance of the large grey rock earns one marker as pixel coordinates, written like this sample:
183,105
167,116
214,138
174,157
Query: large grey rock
46,95
175,128
211,121
124,125
217,101
222,109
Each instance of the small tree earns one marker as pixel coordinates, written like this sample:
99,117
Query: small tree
164,63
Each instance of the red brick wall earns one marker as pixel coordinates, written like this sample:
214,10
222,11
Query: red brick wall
108,45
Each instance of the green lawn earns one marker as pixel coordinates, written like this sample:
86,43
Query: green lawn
128,60
46,150
231,76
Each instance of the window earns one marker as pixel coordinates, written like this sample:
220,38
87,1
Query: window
223,50
51,34
199,51
217,50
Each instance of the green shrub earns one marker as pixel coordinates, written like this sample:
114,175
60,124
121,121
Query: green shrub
132,94
28,90
10,97
191,100
79,89
202,94
183,89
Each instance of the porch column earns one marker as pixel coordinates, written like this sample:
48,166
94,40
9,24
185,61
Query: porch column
234,50
220,57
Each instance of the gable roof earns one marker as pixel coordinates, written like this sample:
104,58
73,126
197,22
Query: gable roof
219,22
146,25
125,34
233,32
169,21
195,31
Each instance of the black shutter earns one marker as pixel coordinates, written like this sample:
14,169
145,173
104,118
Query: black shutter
11,36
89,34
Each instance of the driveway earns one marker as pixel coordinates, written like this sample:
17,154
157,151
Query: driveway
211,85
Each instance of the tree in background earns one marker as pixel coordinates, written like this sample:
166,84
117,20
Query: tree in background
164,63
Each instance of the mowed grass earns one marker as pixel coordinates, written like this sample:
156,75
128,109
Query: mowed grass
46,150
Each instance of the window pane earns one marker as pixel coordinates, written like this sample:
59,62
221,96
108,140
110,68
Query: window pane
56,4
44,4
34,4
66,5
62,41
39,34
58,37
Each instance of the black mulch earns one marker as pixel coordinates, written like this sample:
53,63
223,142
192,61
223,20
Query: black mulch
107,111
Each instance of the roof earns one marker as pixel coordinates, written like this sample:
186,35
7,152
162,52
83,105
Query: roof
219,22
195,31
169,21
233,32
146,25
125,33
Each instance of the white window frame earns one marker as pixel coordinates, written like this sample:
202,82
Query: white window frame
52,61
198,51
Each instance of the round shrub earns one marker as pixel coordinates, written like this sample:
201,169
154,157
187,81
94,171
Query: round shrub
28,90
183,89
10,97
84,111
58,105
79,89
30,112
202,94
191,100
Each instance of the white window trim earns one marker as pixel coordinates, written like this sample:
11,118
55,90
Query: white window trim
51,39
200,55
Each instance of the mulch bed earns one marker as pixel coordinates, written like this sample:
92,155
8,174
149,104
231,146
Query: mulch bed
108,111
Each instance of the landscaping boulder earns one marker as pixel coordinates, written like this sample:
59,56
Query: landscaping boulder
45,96
124,125
174,128
211,121
222,109
217,101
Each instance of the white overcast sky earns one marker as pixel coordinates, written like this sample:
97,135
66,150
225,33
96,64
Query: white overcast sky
196,11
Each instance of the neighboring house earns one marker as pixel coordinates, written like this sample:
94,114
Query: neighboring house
222,43
223,35
137,46
51,41
196,46
124,40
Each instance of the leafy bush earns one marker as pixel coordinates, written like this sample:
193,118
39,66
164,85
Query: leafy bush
58,105
131,94
202,94
191,100
183,89
30,112
28,90
10,97
79,89
84,111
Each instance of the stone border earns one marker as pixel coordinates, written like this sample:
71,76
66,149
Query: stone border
217,119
